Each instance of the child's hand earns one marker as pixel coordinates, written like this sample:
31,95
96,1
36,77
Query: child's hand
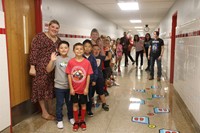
72,92
85,92
53,56
93,83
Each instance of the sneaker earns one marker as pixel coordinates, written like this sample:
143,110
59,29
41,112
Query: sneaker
115,84
83,125
151,78
90,113
106,93
133,62
147,69
75,126
72,121
158,78
60,124
105,107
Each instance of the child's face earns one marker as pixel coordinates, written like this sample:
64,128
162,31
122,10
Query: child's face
96,51
87,48
78,50
63,49
94,36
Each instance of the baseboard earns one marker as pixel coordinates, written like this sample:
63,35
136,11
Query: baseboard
23,111
186,112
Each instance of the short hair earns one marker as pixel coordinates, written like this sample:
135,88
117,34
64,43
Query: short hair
54,22
95,45
77,44
87,41
63,42
157,33
94,30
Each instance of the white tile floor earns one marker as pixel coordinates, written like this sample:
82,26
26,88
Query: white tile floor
122,109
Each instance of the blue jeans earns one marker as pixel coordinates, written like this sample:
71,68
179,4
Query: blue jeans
61,96
152,62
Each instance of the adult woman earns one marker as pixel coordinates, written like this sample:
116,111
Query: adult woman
147,41
139,47
43,44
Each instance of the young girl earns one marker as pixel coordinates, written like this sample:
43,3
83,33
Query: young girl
119,52
59,62
93,78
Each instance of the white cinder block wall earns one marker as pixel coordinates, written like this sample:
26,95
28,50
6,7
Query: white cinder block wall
187,52
77,19
4,84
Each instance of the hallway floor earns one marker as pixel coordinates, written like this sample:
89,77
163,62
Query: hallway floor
125,102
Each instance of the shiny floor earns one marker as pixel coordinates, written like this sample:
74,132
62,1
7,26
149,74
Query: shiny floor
125,102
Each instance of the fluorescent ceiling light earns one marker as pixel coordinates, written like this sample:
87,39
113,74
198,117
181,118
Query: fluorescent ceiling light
138,27
128,5
136,21
139,30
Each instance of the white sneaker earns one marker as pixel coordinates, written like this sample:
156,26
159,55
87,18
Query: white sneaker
72,121
60,124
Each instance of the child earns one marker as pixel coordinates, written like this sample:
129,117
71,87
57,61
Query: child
100,80
79,70
119,52
107,68
88,55
61,82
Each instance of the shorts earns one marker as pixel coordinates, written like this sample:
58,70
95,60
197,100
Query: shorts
100,83
107,72
79,98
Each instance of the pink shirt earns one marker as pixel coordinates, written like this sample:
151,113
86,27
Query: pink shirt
79,72
119,50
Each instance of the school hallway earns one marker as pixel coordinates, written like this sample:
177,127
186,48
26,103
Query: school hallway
133,98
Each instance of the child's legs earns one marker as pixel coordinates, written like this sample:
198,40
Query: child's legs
99,89
59,103
90,95
83,101
74,99
69,104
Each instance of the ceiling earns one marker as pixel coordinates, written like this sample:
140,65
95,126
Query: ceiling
151,12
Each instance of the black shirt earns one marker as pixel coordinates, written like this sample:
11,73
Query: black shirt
156,47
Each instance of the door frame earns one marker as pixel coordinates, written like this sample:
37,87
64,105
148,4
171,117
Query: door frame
173,42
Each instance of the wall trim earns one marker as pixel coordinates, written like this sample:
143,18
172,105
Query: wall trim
22,111
187,114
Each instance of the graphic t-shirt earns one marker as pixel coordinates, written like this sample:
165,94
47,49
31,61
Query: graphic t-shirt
100,59
61,80
79,72
156,47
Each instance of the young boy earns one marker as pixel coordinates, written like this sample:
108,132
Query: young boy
59,63
87,44
100,80
79,70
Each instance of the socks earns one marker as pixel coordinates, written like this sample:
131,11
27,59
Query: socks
83,114
75,115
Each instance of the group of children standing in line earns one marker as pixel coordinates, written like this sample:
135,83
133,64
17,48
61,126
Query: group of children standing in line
77,79
91,70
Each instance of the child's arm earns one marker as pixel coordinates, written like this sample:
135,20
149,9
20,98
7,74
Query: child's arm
109,56
87,85
72,92
51,65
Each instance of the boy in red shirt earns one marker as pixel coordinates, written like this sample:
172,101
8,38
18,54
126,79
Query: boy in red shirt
79,70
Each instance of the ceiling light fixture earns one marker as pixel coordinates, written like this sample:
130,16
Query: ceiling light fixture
138,27
128,5
136,21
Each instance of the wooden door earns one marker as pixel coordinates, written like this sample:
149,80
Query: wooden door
20,26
